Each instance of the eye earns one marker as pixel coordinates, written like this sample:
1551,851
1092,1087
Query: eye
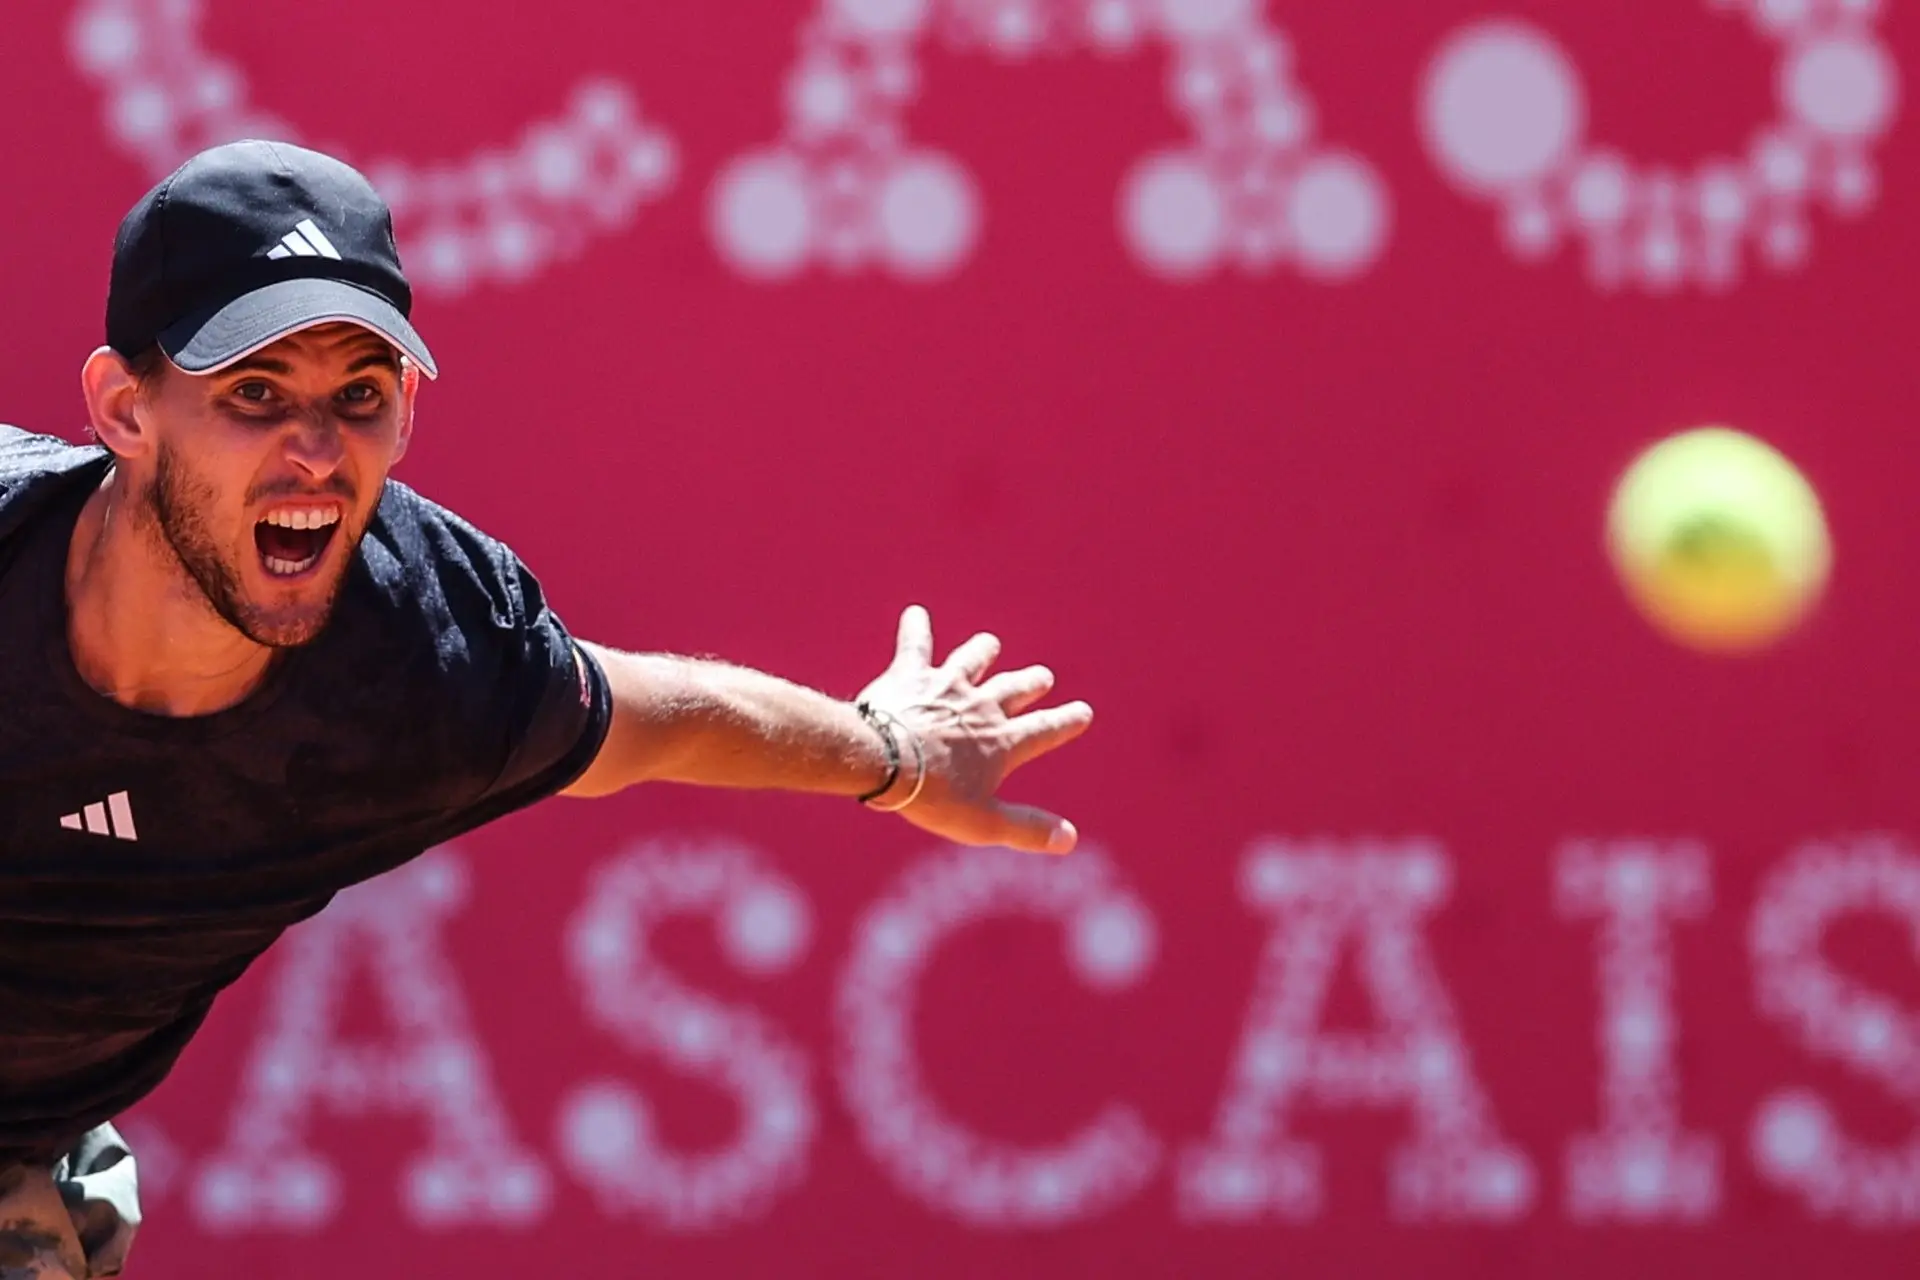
253,391
360,395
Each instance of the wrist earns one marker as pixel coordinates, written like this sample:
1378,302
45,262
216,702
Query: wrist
883,729
906,762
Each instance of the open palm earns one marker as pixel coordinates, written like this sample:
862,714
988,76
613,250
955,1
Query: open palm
975,729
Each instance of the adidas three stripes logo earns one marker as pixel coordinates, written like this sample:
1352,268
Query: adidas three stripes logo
305,241
113,817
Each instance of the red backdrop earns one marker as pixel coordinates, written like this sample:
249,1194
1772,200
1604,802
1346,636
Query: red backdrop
1313,520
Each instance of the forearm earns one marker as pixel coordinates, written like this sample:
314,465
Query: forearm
713,724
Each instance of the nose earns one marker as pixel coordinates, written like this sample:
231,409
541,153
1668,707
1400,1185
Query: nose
315,446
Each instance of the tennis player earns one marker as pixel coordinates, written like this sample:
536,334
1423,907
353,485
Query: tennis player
241,669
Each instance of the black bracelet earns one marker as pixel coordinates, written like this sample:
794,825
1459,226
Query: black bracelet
872,717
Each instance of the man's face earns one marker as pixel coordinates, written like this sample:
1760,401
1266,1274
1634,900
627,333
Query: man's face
266,474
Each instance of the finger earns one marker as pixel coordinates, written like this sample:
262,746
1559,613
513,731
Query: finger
1031,830
976,657
1015,691
1039,732
915,646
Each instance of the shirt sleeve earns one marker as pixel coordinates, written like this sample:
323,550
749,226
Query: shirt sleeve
555,694
517,709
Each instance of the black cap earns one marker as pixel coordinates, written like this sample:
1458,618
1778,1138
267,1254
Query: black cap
247,243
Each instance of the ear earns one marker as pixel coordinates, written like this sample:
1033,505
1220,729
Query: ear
113,404
409,389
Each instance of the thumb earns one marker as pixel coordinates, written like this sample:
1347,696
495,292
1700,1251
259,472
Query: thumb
1032,830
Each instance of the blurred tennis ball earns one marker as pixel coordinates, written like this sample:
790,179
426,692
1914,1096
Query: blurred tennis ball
1719,540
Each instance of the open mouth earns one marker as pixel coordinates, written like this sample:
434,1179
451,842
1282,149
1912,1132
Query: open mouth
292,540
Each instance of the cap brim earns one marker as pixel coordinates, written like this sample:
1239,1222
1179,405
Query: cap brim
208,343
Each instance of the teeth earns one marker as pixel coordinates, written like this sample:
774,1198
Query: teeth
287,568
304,518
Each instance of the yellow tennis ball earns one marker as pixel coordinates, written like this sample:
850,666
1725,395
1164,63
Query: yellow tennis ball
1719,540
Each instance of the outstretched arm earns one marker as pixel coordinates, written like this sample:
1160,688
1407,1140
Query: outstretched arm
955,732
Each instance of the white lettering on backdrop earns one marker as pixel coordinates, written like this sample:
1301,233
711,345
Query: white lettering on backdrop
846,187
502,214
1799,1144
932,1156
431,1066
1639,1166
1504,117
1502,111
762,923
1322,898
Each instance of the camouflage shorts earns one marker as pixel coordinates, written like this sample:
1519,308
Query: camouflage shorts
75,1221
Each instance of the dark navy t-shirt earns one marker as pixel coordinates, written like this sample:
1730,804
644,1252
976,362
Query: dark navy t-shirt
146,861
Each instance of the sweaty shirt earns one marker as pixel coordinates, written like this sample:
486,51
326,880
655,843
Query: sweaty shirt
146,861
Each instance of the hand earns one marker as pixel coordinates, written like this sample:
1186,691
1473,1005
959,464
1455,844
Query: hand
975,730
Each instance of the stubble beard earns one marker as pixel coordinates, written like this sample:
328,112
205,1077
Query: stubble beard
177,501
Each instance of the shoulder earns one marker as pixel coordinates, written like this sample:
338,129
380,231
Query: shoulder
424,635
435,591
34,468
28,458
23,452
420,553
444,638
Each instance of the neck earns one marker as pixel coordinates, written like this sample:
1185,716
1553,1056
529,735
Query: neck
140,629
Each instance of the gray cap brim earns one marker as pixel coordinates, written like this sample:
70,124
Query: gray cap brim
208,343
